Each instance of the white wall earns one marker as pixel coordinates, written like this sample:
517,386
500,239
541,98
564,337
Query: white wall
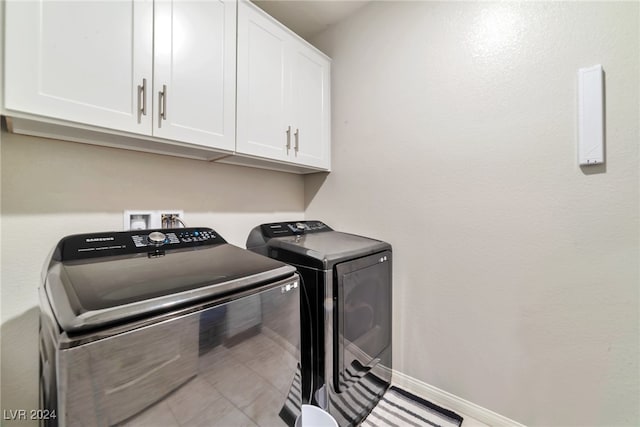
51,189
516,272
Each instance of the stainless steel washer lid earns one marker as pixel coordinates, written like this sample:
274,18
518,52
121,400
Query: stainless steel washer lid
329,247
91,293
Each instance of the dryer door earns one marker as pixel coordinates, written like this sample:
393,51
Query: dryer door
362,316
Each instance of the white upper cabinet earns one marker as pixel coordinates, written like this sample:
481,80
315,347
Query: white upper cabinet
310,106
194,78
283,105
194,72
262,103
80,61
161,69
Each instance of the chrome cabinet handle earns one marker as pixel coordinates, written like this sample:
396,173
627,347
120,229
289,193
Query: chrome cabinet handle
297,145
288,139
162,100
142,99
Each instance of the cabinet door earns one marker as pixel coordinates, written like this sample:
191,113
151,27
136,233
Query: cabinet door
80,61
194,72
310,106
262,80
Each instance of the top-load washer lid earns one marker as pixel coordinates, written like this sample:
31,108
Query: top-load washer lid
312,243
99,279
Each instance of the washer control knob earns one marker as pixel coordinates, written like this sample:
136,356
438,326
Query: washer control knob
156,238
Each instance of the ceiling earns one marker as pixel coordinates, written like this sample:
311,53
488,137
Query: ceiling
309,18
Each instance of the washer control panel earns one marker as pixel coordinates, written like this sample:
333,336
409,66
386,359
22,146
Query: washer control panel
180,236
196,236
280,229
82,246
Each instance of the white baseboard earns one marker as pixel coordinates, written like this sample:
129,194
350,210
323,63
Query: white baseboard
451,401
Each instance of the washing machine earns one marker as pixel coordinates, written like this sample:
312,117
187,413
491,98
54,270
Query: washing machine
346,331
167,327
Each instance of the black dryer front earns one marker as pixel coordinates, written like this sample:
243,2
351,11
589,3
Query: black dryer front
346,330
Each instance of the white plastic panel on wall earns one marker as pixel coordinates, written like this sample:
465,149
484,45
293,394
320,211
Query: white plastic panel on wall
590,116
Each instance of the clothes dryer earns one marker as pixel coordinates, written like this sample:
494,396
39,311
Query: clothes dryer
346,333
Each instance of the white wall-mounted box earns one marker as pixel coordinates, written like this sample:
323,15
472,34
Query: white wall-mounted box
590,116
152,219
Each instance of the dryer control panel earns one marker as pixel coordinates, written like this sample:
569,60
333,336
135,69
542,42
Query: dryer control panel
280,229
83,246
